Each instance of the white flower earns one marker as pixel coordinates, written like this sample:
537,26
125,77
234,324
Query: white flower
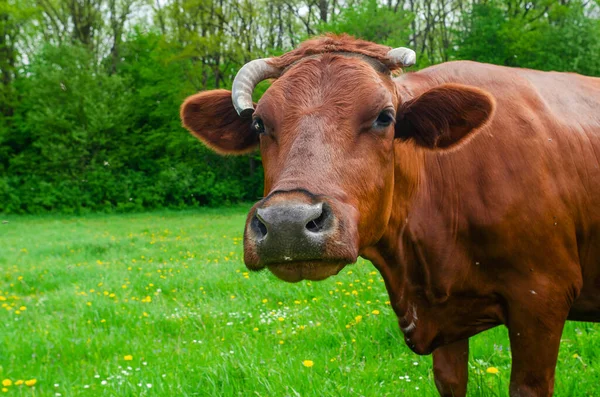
103,382
149,385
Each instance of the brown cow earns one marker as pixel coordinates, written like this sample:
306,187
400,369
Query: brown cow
474,189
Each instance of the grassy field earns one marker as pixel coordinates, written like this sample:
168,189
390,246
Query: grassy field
160,304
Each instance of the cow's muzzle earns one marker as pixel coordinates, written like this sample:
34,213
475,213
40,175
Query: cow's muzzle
297,236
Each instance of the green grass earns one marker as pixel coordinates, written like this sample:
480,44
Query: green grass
197,324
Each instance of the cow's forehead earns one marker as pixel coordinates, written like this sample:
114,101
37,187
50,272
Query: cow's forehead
329,83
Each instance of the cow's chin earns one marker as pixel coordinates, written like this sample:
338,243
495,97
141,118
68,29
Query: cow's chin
298,271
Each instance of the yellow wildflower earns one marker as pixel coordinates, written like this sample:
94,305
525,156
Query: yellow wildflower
375,312
6,382
19,382
308,363
128,357
30,382
492,370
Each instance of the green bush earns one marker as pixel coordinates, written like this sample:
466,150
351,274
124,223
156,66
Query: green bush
86,140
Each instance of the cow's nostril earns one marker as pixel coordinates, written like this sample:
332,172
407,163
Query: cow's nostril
318,224
259,227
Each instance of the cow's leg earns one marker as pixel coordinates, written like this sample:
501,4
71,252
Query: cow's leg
450,369
534,339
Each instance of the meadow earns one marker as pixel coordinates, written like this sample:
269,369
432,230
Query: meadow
160,304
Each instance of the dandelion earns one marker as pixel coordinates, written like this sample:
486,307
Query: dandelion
19,382
492,370
4,389
575,355
308,363
375,312
128,357
30,382
358,319
6,382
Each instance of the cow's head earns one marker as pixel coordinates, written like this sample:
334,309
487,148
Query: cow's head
327,128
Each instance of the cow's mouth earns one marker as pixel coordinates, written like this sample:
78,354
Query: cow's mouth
297,271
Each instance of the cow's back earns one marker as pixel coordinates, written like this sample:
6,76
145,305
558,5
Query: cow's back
527,185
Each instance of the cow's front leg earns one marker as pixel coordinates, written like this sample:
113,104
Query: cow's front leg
450,369
534,340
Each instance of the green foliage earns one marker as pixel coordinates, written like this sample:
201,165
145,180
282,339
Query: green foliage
91,141
561,39
373,22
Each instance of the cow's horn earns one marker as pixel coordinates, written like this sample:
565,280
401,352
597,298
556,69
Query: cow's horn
246,79
402,56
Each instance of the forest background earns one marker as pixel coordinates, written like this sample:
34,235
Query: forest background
90,89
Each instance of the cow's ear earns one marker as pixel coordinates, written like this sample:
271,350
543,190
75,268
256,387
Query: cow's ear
211,117
444,115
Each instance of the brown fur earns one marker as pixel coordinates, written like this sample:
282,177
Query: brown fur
334,43
444,115
503,229
211,117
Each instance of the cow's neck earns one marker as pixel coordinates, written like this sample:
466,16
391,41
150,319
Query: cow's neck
389,255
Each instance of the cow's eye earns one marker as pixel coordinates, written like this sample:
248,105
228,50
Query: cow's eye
385,118
258,126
